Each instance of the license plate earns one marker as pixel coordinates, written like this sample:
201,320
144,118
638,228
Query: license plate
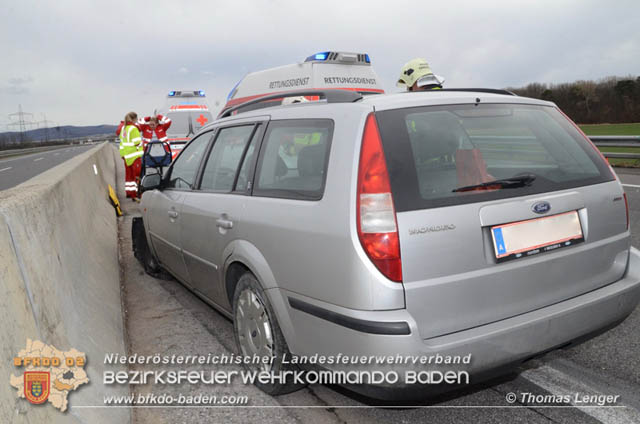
526,238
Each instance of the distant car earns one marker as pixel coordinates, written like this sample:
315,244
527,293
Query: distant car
447,222
188,112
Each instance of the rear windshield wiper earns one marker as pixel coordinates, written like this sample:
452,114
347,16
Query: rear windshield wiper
511,182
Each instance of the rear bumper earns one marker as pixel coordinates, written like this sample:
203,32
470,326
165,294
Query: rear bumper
492,346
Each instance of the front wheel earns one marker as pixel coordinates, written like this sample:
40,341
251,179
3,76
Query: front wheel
143,253
258,334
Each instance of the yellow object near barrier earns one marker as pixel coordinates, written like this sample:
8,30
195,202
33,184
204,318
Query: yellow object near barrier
114,201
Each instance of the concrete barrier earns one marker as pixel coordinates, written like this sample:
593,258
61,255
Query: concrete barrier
59,282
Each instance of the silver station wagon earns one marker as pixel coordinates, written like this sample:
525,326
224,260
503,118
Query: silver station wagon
452,222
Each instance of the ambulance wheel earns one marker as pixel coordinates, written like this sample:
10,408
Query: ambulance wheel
257,333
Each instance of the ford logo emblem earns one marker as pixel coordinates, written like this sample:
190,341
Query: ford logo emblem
541,207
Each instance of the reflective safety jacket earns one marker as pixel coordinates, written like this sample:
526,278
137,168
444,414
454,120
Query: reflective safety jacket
130,144
122,125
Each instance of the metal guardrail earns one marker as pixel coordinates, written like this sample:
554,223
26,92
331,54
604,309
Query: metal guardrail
601,141
19,152
618,141
4,153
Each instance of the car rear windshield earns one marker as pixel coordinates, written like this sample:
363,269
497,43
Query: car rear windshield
449,155
186,124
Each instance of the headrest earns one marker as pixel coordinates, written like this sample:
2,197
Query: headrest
311,160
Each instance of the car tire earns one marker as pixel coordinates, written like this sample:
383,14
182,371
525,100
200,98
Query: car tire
143,253
257,332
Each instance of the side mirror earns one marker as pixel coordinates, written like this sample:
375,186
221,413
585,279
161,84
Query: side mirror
150,182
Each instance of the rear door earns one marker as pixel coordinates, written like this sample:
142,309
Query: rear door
467,258
213,213
166,208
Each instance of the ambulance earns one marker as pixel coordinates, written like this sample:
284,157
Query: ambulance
325,70
188,111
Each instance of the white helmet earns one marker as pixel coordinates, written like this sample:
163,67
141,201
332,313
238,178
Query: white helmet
294,99
418,70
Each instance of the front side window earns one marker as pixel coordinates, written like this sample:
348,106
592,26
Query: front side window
183,171
228,149
448,155
293,159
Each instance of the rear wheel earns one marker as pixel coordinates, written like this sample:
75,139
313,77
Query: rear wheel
257,333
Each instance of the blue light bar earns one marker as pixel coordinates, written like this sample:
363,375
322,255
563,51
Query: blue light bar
318,56
172,93
366,58
233,90
201,92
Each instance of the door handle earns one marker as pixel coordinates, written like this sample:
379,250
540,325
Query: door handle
224,223
172,214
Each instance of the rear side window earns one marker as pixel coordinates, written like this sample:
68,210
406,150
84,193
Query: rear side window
441,155
293,159
224,159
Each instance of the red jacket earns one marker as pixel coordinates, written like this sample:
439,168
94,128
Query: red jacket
161,129
122,125
119,128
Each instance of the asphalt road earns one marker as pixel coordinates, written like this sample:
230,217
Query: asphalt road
164,317
16,170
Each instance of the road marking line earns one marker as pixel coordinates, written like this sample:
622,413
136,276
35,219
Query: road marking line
631,185
6,169
36,160
56,154
559,383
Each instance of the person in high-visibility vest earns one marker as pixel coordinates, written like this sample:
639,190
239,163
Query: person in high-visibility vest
131,152
416,75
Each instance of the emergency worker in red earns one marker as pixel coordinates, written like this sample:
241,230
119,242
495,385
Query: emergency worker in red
122,125
150,124
131,152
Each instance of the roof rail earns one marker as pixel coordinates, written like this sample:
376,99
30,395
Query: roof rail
330,95
477,90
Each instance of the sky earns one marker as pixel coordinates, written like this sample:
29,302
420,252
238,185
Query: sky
90,62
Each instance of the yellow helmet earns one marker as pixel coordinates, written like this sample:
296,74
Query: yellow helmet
418,69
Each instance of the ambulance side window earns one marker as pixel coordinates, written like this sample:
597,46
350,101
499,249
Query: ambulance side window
183,171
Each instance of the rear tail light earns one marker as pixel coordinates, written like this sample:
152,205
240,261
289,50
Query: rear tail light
626,205
377,226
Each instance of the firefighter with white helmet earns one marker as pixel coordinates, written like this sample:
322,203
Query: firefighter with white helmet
416,75
294,99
